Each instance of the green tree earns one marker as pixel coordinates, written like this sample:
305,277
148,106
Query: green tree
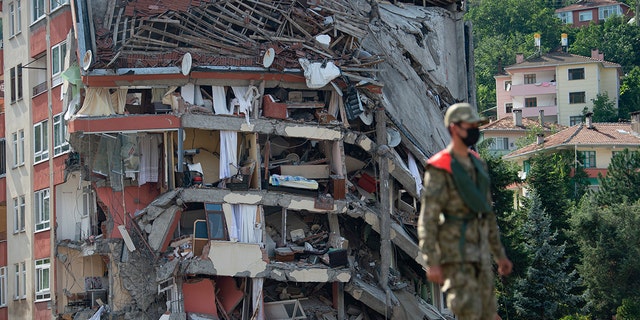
608,240
545,291
604,109
629,310
629,93
622,181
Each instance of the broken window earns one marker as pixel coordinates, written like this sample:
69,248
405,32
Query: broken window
215,222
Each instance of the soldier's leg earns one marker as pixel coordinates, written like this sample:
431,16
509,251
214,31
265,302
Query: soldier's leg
461,287
487,293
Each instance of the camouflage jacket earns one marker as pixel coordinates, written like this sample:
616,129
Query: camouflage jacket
443,213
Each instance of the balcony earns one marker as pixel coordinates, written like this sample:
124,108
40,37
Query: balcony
531,112
533,89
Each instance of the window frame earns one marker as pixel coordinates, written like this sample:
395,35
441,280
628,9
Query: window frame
584,14
57,63
19,214
19,16
37,10
88,201
499,144
588,158
577,97
529,78
41,210
3,286
20,285
508,107
20,90
575,74
566,17
507,85
209,210
56,4
573,122
60,143
12,80
609,11
42,287
527,102
41,147
3,157
12,20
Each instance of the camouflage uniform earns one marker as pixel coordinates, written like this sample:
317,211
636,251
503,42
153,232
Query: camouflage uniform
465,262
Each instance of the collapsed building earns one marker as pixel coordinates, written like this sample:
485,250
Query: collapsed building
254,159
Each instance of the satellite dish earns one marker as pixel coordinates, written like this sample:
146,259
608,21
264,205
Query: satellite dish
367,117
393,137
87,59
186,64
268,58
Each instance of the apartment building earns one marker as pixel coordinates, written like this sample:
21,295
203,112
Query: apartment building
34,41
584,12
4,270
558,84
223,159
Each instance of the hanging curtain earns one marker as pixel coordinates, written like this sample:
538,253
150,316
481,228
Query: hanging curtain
97,102
228,153
220,101
413,168
119,100
245,223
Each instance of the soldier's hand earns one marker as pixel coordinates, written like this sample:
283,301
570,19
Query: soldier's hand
504,267
434,274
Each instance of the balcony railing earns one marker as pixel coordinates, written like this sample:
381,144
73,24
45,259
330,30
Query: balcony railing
41,88
530,112
533,89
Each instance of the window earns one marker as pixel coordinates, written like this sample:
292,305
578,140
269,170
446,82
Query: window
21,281
18,17
3,156
526,166
43,288
530,78
576,74
55,4
37,10
41,209
566,17
587,159
41,141
577,97
88,202
18,214
585,16
574,120
508,107
3,286
215,221
12,20
608,11
499,144
60,144
19,82
12,76
58,54
507,86
18,148
530,102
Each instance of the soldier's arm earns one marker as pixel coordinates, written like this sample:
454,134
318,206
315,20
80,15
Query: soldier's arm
432,201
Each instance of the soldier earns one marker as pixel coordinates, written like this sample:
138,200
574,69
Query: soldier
457,228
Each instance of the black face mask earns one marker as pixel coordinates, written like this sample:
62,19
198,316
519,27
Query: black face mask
473,134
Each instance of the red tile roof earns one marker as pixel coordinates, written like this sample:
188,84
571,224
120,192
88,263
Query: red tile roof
600,134
559,59
589,5
507,124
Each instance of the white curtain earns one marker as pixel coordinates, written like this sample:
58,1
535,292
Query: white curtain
413,168
258,299
228,153
245,223
245,96
119,100
149,158
220,101
97,102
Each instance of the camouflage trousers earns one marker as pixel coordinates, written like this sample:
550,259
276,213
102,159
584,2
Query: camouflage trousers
469,289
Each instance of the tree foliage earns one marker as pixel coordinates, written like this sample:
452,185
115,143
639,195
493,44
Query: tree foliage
629,93
604,109
622,182
545,291
608,240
